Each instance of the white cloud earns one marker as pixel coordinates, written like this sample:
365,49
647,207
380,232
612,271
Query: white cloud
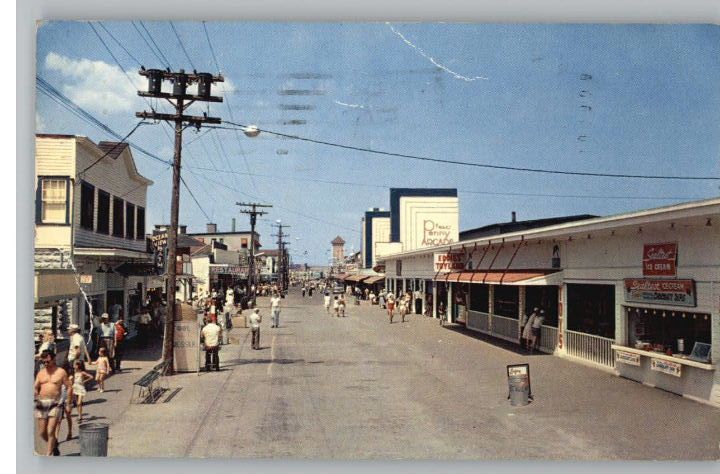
96,85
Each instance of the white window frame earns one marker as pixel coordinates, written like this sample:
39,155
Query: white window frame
61,197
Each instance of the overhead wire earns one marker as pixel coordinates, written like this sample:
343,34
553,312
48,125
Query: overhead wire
182,46
467,163
167,63
100,24
164,63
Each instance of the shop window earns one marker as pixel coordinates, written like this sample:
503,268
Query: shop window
545,298
140,232
118,217
129,221
663,329
103,213
53,201
243,243
591,309
479,298
87,205
505,302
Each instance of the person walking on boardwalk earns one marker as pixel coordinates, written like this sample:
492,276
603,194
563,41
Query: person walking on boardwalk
327,302
78,379
403,307
336,307
341,306
48,406
391,306
275,310
255,320
211,338
526,324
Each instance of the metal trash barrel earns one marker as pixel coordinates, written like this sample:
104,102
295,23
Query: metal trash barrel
519,396
94,439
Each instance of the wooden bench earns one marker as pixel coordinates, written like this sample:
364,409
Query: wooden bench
148,385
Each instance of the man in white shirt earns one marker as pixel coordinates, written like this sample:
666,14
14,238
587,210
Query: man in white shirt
211,337
255,320
107,335
275,310
77,340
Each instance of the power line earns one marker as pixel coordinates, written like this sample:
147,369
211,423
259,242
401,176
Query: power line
182,46
194,198
100,24
153,42
387,186
466,163
113,148
164,63
292,211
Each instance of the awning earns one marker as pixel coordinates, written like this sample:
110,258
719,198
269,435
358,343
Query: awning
54,285
111,252
340,276
374,279
357,278
502,277
136,269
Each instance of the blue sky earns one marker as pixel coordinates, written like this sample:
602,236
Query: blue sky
514,95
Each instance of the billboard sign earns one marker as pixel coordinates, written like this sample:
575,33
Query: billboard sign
670,292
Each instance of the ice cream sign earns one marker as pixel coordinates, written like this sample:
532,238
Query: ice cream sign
660,259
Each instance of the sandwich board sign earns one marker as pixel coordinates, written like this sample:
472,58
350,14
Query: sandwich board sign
186,346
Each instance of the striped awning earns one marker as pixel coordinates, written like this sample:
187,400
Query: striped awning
374,279
495,277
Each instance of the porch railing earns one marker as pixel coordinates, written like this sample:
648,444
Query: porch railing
478,321
591,348
504,328
548,339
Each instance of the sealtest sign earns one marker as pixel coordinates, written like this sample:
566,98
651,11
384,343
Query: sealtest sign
449,262
660,259
666,367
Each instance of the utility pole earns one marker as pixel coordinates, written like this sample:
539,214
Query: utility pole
182,100
282,264
253,219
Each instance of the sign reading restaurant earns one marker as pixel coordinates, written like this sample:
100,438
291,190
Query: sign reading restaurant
449,261
660,259
671,292
236,270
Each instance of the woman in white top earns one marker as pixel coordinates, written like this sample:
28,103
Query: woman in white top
327,302
527,328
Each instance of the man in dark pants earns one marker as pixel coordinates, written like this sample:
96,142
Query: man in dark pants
211,336
255,320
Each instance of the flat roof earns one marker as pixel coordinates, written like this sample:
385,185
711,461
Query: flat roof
683,210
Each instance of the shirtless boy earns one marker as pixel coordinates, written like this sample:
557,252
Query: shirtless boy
48,405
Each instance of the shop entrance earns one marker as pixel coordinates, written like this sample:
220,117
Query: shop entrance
428,298
460,302
442,296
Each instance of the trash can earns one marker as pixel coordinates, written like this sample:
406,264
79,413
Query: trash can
94,439
519,396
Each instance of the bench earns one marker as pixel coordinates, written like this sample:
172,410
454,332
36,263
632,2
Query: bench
147,384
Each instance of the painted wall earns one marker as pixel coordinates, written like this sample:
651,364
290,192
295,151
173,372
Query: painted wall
428,221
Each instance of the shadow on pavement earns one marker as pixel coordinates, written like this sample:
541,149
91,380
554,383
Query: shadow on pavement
237,362
500,343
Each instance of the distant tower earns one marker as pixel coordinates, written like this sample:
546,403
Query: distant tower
338,245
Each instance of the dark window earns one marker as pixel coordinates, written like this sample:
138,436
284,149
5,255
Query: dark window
129,221
545,298
118,217
87,205
479,297
140,234
591,309
506,300
666,327
103,214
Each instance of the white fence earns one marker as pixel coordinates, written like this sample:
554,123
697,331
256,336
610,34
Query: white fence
478,321
504,328
595,349
548,339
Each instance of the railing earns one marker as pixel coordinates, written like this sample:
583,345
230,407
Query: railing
591,348
548,339
504,328
478,321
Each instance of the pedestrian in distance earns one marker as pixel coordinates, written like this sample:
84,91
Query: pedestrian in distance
535,329
107,335
255,320
327,302
275,310
381,299
391,306
144,320
302,290
526,324
310,291
403,307
336,307
47,398
341,306
120,333
103,369
78,348
79,379
210,335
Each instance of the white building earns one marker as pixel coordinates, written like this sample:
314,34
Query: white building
612,288
90,212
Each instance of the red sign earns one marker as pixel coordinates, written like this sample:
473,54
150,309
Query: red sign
660,259
447,262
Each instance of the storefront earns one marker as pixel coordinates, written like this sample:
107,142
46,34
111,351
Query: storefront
636,294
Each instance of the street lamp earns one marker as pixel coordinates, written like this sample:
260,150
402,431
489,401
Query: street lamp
251,131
